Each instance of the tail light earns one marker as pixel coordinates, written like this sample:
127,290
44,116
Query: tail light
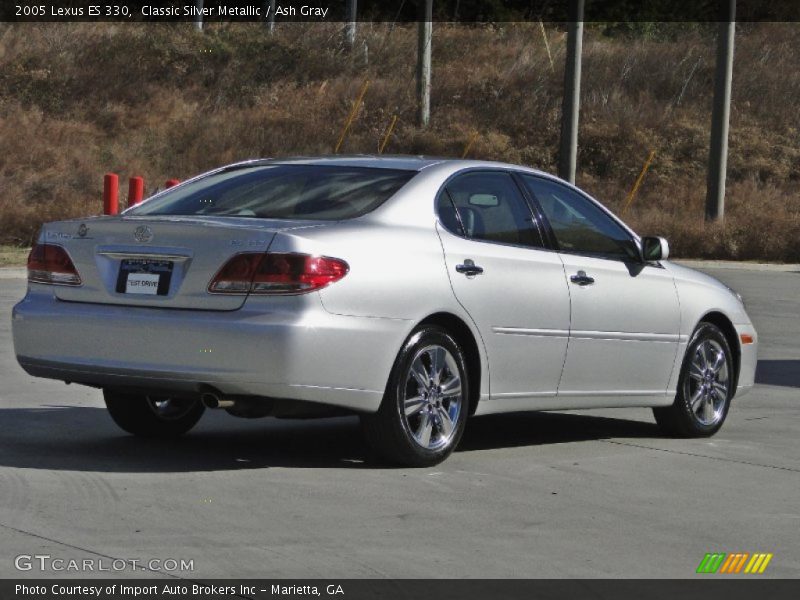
276,273
48,263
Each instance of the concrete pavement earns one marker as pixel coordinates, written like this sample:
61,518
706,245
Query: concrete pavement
589,494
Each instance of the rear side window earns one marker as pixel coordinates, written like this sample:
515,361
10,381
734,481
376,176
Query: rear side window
313,192
487,205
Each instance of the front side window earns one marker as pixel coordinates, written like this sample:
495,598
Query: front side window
579,225
327,193
488,206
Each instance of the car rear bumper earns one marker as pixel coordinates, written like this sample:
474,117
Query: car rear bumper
290,348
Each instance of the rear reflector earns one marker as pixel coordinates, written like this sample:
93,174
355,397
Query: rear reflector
277,273
746,338
48,263
236,276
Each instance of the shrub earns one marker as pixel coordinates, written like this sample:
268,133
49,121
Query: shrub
79,100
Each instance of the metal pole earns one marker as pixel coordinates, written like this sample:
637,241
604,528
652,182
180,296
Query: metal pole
350,31
424,63
270,8
720,116
570,106
198,17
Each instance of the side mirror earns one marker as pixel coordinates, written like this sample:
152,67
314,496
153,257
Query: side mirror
654,249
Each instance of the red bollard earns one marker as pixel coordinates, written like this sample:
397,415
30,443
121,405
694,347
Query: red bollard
110,194
135,190
172,182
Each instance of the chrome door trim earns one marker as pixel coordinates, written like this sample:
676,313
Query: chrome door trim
626,336
535,332
592,335
568,393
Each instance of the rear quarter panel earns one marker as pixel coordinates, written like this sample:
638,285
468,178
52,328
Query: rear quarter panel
396,272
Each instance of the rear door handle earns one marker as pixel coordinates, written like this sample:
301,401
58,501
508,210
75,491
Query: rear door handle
469,268
581,278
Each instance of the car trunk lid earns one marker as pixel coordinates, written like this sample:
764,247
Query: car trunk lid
163,261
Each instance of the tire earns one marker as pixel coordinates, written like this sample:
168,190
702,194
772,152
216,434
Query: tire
153,416
706,386
424,409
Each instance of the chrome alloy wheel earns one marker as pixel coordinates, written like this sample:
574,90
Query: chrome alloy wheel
168,408
708,383
432,397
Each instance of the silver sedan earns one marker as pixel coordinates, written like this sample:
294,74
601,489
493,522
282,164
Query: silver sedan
414,292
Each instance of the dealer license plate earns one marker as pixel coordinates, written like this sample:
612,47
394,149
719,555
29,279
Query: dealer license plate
144,276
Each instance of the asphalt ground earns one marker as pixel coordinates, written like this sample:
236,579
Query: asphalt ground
581,494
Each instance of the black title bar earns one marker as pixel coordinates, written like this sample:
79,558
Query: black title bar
396,11
702,588
400,589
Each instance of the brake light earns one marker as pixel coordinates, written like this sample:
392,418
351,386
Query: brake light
277,273
48,263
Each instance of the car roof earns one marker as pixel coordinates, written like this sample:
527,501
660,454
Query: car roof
399,162
405,163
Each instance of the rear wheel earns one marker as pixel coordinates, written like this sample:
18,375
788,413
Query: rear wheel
424,410
153,415
705,387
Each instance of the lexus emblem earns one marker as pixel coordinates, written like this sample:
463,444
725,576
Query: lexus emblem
143,234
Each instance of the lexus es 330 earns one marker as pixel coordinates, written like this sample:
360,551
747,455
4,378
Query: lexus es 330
413,292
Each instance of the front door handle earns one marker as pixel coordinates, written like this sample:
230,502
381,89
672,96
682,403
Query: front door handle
469,268
581,278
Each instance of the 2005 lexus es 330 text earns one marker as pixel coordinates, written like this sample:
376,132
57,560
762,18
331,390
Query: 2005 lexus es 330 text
414,292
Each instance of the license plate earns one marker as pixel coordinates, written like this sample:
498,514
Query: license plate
144,276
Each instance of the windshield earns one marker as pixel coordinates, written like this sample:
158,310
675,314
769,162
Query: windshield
315,192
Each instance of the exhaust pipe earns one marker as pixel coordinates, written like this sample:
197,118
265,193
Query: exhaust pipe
214,399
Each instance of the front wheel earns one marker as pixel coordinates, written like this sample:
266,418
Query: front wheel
705,387
153,415
424,410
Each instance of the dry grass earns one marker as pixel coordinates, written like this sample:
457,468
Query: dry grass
162,101
11,256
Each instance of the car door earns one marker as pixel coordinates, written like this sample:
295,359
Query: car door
513,288
625,320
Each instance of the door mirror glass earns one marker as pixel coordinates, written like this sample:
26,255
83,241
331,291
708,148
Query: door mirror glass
655,249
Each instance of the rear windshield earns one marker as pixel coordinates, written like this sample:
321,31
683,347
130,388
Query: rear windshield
329,193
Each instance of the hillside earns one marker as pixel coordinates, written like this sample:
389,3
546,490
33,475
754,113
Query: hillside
163,101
